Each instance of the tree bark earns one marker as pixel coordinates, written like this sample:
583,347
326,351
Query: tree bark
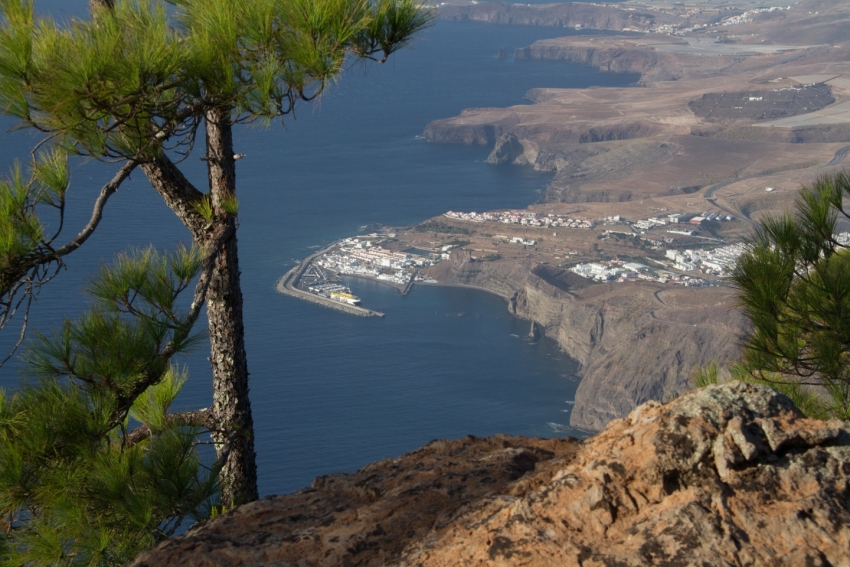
196,418
231,406
179,194
98,4
231,409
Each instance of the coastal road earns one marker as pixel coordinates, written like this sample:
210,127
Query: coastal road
709,193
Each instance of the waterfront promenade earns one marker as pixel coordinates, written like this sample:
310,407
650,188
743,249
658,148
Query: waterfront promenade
287,285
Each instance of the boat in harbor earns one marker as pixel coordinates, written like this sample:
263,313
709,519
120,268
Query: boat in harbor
345,297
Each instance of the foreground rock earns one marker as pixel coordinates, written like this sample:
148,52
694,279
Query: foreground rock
727,475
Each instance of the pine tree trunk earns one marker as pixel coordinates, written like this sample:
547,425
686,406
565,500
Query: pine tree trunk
231,406
98,4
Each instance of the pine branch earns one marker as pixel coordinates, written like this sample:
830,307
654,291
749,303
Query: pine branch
197,418
97,213
178,192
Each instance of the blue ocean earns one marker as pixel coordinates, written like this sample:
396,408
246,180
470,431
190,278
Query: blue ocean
332,392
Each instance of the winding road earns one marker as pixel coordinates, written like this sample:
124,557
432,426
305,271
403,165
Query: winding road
709,193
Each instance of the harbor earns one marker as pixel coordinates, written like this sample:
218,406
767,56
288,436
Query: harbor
290,281
318,277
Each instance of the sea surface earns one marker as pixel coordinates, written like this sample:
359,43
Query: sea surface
332,392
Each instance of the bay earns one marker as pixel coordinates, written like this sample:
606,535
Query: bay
332,392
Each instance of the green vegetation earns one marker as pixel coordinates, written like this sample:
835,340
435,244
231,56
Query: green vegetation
795,288
794,285
704,376
78,484
442,228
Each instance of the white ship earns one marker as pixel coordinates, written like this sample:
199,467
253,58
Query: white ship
345,297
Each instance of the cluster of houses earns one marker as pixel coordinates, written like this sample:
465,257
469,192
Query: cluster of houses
550,220
524,218
359,257
608,271
747,17
718,262
516,240
679,218
616,271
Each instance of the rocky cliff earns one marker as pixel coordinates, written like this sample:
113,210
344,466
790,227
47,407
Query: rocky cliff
635,342
566,14
728,475
606,57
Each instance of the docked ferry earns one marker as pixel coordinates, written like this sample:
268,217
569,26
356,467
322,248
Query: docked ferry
345,297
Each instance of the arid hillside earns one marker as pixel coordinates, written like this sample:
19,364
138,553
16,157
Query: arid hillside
770,101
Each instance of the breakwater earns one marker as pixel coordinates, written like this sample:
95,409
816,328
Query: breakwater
287,285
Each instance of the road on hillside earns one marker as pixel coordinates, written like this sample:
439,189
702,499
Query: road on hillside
709,193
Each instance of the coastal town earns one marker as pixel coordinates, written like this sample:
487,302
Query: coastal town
551,220
382,257
695,18
364,257
716,263
318,278
524,218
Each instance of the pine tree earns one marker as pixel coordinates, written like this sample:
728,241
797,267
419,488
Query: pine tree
136,84
78,486
794,284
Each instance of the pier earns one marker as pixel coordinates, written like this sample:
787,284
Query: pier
287,285
406,289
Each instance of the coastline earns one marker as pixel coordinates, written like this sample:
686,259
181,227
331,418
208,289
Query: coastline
677,151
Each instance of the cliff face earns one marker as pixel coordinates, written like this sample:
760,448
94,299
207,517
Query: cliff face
606,58
567,14
462,130
728,475
635,342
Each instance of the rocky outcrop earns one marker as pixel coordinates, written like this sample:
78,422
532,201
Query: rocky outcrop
730,475
727,475
365,518
508,149
477,126
465,129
